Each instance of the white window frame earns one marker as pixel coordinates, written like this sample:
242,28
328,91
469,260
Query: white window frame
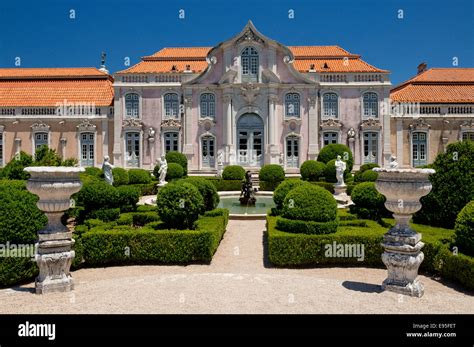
79,145
324,116
466,132
140,149
298,109
208,102
201,166
338,136
379,151
170,116
427,145
163,147
364,116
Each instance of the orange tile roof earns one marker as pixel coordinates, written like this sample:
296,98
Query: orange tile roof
163,60
437,85
47,87
82,72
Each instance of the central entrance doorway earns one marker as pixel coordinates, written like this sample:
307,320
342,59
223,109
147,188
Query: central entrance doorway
250,140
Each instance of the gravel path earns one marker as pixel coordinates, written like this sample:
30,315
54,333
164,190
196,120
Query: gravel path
237,281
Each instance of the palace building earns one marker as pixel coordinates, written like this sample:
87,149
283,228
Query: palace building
68,109
437,109
248,101
255,100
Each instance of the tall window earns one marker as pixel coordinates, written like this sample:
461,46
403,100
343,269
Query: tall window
208,105
330,137
171,105
171,141
292,105
330,105
468,136
370,147
1,150
371,105
132,149
132,105
419,144
250,64
41,139
87,149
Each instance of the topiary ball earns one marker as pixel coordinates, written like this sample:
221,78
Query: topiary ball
369,176
331,151
178,158
120,176
207,190
97,194
233,172
175,171
271,173
310,203
179,205
368,202
312,170
464,229
283,189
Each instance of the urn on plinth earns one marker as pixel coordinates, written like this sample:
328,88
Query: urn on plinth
54,187
403,189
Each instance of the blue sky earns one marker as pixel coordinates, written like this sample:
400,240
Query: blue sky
42,34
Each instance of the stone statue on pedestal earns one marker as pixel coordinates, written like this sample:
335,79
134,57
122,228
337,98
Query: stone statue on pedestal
162,171
340,168
107,168
220,163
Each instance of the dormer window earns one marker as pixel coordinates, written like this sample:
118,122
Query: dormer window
173,68
250,64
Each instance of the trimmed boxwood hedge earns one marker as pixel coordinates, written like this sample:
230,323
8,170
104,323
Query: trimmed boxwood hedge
270,176
233,172
174,171
139,176
178,158
312,170
207,190
306,227
368,202
464,228
326,185
331,151
225,185
283,189
155,245
120,176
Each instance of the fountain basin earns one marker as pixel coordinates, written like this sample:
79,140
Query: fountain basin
230,201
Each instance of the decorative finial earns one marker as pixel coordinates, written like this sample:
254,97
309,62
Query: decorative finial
102,63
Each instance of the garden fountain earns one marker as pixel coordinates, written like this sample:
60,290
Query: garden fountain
403,189
54,187
247,197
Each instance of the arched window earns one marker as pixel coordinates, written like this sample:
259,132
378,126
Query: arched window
171,105
371,105
292,105
250,64
132,105
208,105
330,105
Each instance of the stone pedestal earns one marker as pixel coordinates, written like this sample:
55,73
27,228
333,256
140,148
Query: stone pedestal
54,186
403,189
340,194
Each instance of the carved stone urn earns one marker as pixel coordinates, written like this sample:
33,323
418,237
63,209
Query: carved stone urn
54,186
403,189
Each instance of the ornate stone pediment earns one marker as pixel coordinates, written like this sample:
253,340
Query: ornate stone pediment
293,123
40,127
468,124
132,123
249,92
419,123
207,123
331,124
86,125
170,124
250,36
370,124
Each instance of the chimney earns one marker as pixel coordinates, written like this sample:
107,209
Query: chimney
421,68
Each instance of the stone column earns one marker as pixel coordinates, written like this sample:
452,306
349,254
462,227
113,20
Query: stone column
399,125
54,186
272,129
188,149
118,139
227,99
105,138
313,127
63,141
387,146
17,146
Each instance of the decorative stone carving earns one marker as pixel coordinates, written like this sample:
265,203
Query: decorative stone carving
207,123
2,128
107,168
331,124
351,134
393,162
419,123
250,92
340,168
86,126
370,124
220,163
54,186
467,125
40,127
132,124
249,36
162,171
171,124
212,60
293,123
312,99
403,189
